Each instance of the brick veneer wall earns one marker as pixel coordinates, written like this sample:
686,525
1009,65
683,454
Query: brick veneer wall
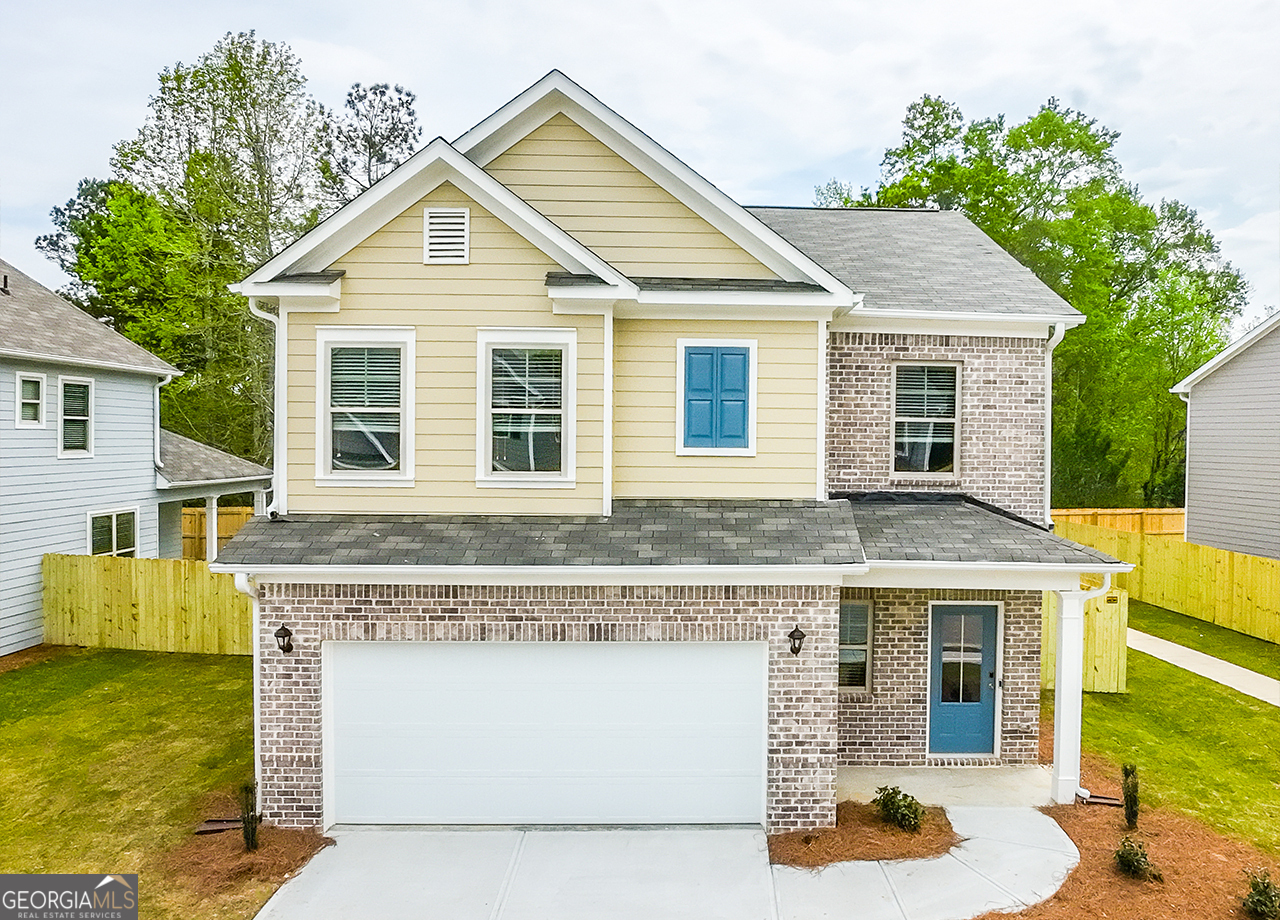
802,689
1002,407
887,726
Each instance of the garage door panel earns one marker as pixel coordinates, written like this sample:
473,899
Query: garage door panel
584,733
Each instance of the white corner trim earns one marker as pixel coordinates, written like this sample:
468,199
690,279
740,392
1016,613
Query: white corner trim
752,346
824,399
18,401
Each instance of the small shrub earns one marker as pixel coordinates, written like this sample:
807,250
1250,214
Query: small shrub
1132,860
249,817
899,808
1130,786
1263,899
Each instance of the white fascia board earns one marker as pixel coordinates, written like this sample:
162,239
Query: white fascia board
1241,344
555,94
1008,576
931,322
263,482
299,295
417,177
546,574
84,362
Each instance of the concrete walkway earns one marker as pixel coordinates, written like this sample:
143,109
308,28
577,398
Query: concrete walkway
1011,858
1247,682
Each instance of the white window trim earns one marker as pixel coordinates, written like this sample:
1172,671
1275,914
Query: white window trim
897,475
18,421
752,409
871,617
88,451
113,513
567,341
465,258
402,337
998,737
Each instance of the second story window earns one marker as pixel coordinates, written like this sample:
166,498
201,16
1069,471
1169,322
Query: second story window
30,410
716,398
366,432
75,438
925,418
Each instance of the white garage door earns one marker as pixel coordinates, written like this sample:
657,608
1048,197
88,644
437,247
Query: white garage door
545,733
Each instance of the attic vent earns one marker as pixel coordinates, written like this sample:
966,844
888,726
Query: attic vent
446,235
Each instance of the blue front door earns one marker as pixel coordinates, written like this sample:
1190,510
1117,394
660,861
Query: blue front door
962,682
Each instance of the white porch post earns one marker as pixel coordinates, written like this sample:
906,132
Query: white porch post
211,528
260,502
1068,694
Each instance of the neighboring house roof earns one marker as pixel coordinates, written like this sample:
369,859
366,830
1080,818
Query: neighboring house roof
945,527
917,260
36,323
1245,342
643,532
188,462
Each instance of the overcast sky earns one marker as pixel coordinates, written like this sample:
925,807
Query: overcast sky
765,99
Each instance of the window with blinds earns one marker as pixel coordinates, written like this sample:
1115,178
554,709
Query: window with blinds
526,410
924,418
855,644
365,407
77,421
113,534
446,235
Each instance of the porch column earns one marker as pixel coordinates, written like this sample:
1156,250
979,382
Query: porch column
259,502
211,528
1068,694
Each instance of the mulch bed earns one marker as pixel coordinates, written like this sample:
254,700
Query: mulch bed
34,655
860,833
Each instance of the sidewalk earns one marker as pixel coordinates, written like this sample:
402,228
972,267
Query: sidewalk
1248,682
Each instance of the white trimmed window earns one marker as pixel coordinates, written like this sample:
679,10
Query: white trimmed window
925,419
365,405
446,235
526,402
716,397
113,533
75,418
29,408
855,644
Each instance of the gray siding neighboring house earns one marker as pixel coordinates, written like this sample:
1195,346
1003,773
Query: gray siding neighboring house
49,495
1233,446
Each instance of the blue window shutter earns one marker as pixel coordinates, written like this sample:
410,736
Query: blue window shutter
717,385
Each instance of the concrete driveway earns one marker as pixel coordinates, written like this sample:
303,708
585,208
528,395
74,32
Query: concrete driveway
513,874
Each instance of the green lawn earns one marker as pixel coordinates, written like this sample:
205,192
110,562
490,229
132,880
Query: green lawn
1227,644
104,754
1199,746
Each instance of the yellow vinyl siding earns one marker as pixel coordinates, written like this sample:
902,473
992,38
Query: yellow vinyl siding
644,445
387,284
614,209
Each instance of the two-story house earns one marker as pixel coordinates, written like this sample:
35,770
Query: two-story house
601,498
85,467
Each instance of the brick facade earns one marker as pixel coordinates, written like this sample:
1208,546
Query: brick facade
888,725
1002,410
802,689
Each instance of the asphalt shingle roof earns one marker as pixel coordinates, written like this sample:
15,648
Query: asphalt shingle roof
916,527
901,259
37,323
186,460
640,532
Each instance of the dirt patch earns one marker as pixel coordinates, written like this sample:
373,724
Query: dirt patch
860,833
33,655
210,863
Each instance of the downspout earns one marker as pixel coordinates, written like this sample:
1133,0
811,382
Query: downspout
1059,330
247,584
278,411
155,408
1186,462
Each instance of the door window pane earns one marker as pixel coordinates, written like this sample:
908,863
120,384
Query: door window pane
961,658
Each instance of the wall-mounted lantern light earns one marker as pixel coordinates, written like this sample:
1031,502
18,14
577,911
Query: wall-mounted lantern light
284,639
797,639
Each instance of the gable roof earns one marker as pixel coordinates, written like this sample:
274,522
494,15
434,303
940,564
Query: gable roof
1245,342
36,323
917,260
188,462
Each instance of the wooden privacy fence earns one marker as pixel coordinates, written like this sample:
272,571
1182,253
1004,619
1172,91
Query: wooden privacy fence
1234,590
1106,648
159,605
230,520
1167,521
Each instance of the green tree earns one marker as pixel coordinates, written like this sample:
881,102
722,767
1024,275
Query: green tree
1150,279
376,133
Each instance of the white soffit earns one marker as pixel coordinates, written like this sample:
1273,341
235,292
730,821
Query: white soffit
556,94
